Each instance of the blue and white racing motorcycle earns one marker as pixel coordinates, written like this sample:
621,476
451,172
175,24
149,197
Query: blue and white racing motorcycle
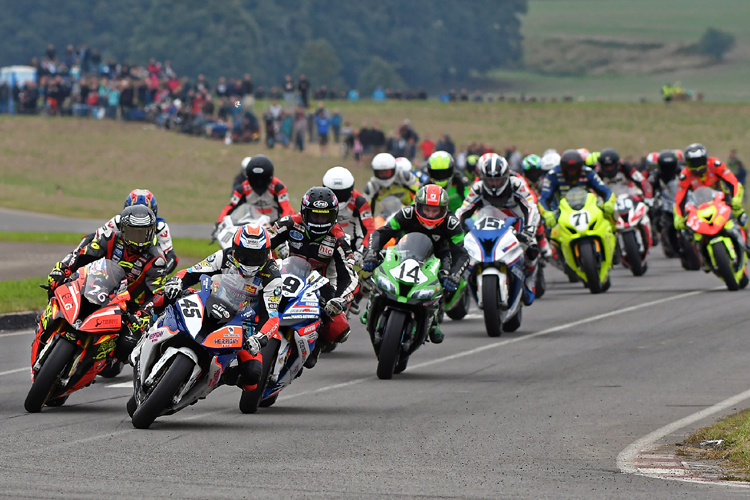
286,352
496,269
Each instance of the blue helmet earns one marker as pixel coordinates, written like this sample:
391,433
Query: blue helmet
142,197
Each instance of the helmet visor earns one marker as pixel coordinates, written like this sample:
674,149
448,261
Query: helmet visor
572,171
250,256
343,195
496,183
385,174
441,174
138,236
697,165
431,212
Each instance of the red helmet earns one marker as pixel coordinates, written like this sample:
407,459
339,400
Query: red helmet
431,205
251,246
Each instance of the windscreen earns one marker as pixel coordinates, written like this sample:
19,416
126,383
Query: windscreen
704,195
490,211
415,246
389,206
576,198
102,281
232,290
297,266
619,189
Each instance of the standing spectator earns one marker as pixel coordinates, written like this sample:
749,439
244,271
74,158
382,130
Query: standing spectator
69,57
378,139
285,131
51,53
84,59
427,147
4,97
310,117
322,122
348,142
336,125
113,100
300,125
221,88
515,159
288,92
270,129
275,111
96,61
736,166
168,71
304,87
201,84
248,96
365,135
446,144
127,97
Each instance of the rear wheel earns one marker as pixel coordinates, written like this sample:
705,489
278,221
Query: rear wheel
390,347
490,305
572,276
461,308
514,323
690,259
744,280
540,286
250,400
724,266
401,365
49,374
633,253
161,396
588,264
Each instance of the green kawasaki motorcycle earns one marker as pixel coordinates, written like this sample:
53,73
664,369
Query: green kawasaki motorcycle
404,302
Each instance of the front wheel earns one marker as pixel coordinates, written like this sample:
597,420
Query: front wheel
589,267
49,374
161,396
461,308
724,266
250,400
390,347
633,253
490,290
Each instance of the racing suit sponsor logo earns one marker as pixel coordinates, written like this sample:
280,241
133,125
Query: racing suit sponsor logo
325,251
296,235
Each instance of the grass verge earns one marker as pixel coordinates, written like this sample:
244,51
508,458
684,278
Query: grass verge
22,295
733,452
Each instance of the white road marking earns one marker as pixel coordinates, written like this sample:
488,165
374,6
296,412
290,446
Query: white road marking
626,458
17,370
121,385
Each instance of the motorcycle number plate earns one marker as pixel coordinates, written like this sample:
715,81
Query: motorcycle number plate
409,271
580,220
623,204
488,223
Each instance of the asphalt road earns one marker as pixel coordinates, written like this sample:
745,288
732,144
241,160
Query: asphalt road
541,413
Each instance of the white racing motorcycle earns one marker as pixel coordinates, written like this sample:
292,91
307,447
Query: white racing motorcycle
633,228
245,214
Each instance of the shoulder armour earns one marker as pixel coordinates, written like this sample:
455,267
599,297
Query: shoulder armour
408,212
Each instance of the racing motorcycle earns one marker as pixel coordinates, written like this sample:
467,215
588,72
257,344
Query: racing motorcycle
404,302
286,352
245,214
586,240
676,243
184,354
496,269
77,333
633,229
718,237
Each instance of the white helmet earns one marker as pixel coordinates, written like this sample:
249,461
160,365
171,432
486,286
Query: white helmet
404,165
341,182
550,161
244,163
548,151
384,169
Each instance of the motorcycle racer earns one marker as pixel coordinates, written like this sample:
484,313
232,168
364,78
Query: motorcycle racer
441,170
430,216
498,188
314,235
261,190
613,171
134,248
388,180
405,165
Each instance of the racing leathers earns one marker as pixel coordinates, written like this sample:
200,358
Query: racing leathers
555,186
527,191
404,186
332,257
457,190
163,239
627,174
717,176
355,218
145,273
273,202
266,282
528,226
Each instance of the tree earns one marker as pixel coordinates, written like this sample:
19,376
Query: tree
379,73
716,43
320,64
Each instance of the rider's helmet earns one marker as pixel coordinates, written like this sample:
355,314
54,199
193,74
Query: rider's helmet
696,158
550,151
142,197
532,168
319,210
609,163
592,159
471,164
341,182
384,169
495,174
259,173
404,166
680,156
550,160
652,160
244,163
431,204
668,163
138,228
440,167
571,164
250,249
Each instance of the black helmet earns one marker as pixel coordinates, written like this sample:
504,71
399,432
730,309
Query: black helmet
138,227
609,163
259,173
668,163
319,210
696,158
571,164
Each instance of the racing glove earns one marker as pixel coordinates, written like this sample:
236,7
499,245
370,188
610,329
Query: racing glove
138,323
679,222
282,251
254,343
449,281
370,261
609,206
58,275
358,258
335,306
172,288
550,218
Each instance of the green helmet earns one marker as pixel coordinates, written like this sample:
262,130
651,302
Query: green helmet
593,159
440,168
471,164
532,162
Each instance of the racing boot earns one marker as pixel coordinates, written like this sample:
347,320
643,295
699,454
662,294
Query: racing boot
436,335
313,359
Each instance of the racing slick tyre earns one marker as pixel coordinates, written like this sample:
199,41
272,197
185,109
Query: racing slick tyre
159,398
690,259
461,308
131,406
744,280
268,402
540,284
514,323
572,276
401,365
113,368
588,264
250,400
724,266
490,306
633,254
49,374
390,347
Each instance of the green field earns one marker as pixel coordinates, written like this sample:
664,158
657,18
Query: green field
631,22
85,168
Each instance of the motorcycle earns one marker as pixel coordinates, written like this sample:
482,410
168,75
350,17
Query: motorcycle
585,238
717,236
633,229
193,342
77,334
496,269
245,214
288,349
404,302
676,243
